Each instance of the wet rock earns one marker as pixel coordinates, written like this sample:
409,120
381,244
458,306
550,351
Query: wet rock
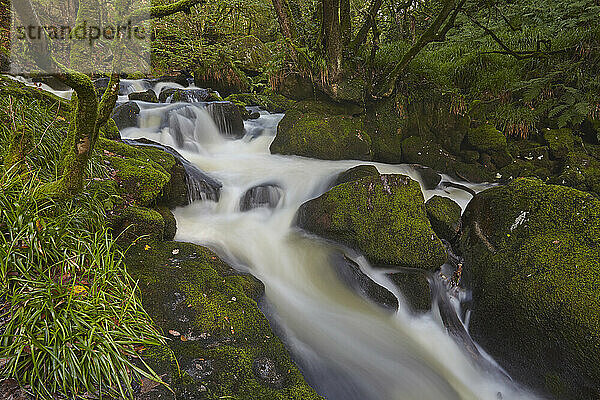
254,115
272,103
415,288
382,216
266,370
148,96
227,118
532,259
350,273
183,78
170,223
175,95
427,152
444,215
126,115
322,130
356,173
429,177
261,196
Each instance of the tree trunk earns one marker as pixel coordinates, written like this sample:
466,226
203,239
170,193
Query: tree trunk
331,38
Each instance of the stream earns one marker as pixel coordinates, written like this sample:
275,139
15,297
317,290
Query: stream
347,347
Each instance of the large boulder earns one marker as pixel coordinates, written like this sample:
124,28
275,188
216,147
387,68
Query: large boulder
532,255
382,216
356,173
486,138
322,130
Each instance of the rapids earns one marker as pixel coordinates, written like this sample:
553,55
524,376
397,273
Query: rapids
347,347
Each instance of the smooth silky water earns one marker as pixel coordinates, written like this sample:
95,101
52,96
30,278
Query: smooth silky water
347,347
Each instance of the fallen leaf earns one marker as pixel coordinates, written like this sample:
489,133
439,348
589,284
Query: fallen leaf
174,333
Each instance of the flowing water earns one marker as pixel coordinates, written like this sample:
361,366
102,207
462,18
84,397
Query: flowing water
347,347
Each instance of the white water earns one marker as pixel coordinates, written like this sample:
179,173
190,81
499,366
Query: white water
348,348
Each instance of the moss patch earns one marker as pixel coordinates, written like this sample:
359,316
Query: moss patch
382,216
560,142
322,130
533,259
486,138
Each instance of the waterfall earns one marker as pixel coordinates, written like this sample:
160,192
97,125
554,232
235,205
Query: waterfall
348,347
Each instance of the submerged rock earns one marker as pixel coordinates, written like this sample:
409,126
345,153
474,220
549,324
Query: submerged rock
322,130
220,343
267,195
532,254
382,216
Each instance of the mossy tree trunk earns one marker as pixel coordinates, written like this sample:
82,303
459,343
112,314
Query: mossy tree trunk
88,114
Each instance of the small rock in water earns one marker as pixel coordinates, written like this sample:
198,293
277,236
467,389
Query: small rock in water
261,196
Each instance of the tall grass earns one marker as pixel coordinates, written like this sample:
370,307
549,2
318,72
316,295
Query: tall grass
73,322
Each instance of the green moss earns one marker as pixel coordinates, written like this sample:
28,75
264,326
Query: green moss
532,254
444,215
139,179
415,288
187,289
383,216
135,222
322,130
170,222
144,173
560,142
486,138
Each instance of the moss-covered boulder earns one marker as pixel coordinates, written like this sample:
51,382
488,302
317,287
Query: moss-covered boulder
356,173
146,175
532,258
486,138
322,130
560,141
444,215
382,216
387,123
219,341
